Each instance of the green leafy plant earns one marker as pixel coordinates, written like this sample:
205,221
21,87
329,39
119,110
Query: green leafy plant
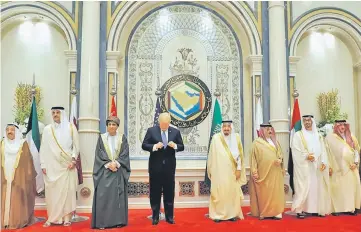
330,107
23,100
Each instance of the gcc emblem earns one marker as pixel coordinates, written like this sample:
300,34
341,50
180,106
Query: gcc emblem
187,99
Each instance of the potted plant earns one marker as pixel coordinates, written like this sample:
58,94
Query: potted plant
330,109
22,107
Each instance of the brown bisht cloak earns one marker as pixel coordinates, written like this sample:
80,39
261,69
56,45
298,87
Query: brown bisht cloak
267,193
110,201
23,189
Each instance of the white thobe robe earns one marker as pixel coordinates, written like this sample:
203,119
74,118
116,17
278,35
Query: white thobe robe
345,183
60,181
223,162
312,189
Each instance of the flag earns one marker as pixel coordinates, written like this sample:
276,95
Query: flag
74,120
295,126
216,128
113,108
33,139
259,115
156,113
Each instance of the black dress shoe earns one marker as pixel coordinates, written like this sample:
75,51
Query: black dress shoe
155,221
352,213
335,214
301,216
217,221
233,219
170,221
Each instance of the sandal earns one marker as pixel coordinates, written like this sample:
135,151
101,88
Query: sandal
47,224
67,223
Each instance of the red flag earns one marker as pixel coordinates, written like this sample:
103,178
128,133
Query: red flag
113,108
296,116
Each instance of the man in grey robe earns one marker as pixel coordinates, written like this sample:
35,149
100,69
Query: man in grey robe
111,173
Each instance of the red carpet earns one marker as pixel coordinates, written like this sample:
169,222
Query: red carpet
188,220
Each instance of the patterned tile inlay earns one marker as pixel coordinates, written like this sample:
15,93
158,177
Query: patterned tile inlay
203,189
245,189
138,189
186,189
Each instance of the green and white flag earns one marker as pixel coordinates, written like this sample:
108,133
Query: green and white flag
216,128
33,139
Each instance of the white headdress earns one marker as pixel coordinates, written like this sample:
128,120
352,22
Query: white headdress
231,139
62,130
11,149
312,137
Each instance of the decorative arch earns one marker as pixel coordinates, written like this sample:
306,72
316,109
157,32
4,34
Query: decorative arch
341,20
123,12
222,58
346,27
11,11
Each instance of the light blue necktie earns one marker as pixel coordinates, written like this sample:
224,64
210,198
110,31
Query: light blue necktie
164,139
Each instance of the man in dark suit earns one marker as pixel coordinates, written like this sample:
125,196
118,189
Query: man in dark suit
162,142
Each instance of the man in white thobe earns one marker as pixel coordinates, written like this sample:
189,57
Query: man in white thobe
58,153
226,171
311,171
344,154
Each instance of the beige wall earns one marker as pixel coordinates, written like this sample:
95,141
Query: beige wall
300,7
29,48
326,64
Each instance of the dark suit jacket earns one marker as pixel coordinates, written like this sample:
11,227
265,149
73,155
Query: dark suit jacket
167,155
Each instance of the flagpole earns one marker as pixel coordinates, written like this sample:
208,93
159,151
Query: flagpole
113,92
74,92
33,90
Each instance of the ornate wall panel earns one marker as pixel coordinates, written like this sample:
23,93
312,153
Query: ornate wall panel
181,40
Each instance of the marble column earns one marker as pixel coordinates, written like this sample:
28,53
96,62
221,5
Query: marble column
112,77
89,94
293,60
255,64
279,116
72,69
357,81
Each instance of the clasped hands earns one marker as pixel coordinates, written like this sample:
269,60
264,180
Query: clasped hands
113,166
160,145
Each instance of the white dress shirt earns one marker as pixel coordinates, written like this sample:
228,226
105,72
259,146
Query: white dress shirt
112,146
164,145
